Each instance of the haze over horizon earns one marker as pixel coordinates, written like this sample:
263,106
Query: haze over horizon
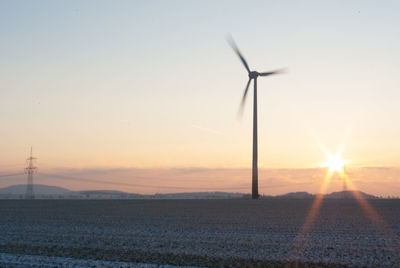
379,181
147,92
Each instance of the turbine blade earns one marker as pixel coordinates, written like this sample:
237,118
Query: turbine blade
280,71
240,112
236,49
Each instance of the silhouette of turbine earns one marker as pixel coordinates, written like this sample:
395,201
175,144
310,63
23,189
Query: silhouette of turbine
253,75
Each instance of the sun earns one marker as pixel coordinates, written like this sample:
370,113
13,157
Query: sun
335,163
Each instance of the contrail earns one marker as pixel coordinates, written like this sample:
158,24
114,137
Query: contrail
208,129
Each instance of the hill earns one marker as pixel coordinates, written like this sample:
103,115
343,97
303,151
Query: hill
53,192
349,195
296,195
199,195
39,189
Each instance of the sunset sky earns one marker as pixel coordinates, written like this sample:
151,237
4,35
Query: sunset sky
121,87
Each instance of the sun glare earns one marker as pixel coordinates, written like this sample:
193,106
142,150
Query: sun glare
335,163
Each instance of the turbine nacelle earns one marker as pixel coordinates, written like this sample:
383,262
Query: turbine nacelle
253,75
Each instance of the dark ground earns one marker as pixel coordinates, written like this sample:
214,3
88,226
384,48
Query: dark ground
202,232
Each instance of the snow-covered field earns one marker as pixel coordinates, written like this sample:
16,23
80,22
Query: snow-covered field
24,260
125,233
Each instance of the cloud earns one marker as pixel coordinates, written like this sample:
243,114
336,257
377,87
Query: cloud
374,180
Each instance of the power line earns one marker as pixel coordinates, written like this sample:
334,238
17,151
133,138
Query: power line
11,175
164,186
123,183
31,169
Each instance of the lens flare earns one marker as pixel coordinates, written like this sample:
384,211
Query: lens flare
301,238
335,163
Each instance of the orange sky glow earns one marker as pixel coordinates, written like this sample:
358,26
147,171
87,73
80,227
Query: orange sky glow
145,94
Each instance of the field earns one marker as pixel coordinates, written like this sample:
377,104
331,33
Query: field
196,233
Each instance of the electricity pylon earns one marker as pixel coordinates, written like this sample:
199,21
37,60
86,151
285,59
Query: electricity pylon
30,169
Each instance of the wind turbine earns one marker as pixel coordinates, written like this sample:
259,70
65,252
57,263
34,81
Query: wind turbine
253,75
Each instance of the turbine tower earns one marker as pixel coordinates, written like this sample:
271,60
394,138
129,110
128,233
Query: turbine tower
30,169
253,75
